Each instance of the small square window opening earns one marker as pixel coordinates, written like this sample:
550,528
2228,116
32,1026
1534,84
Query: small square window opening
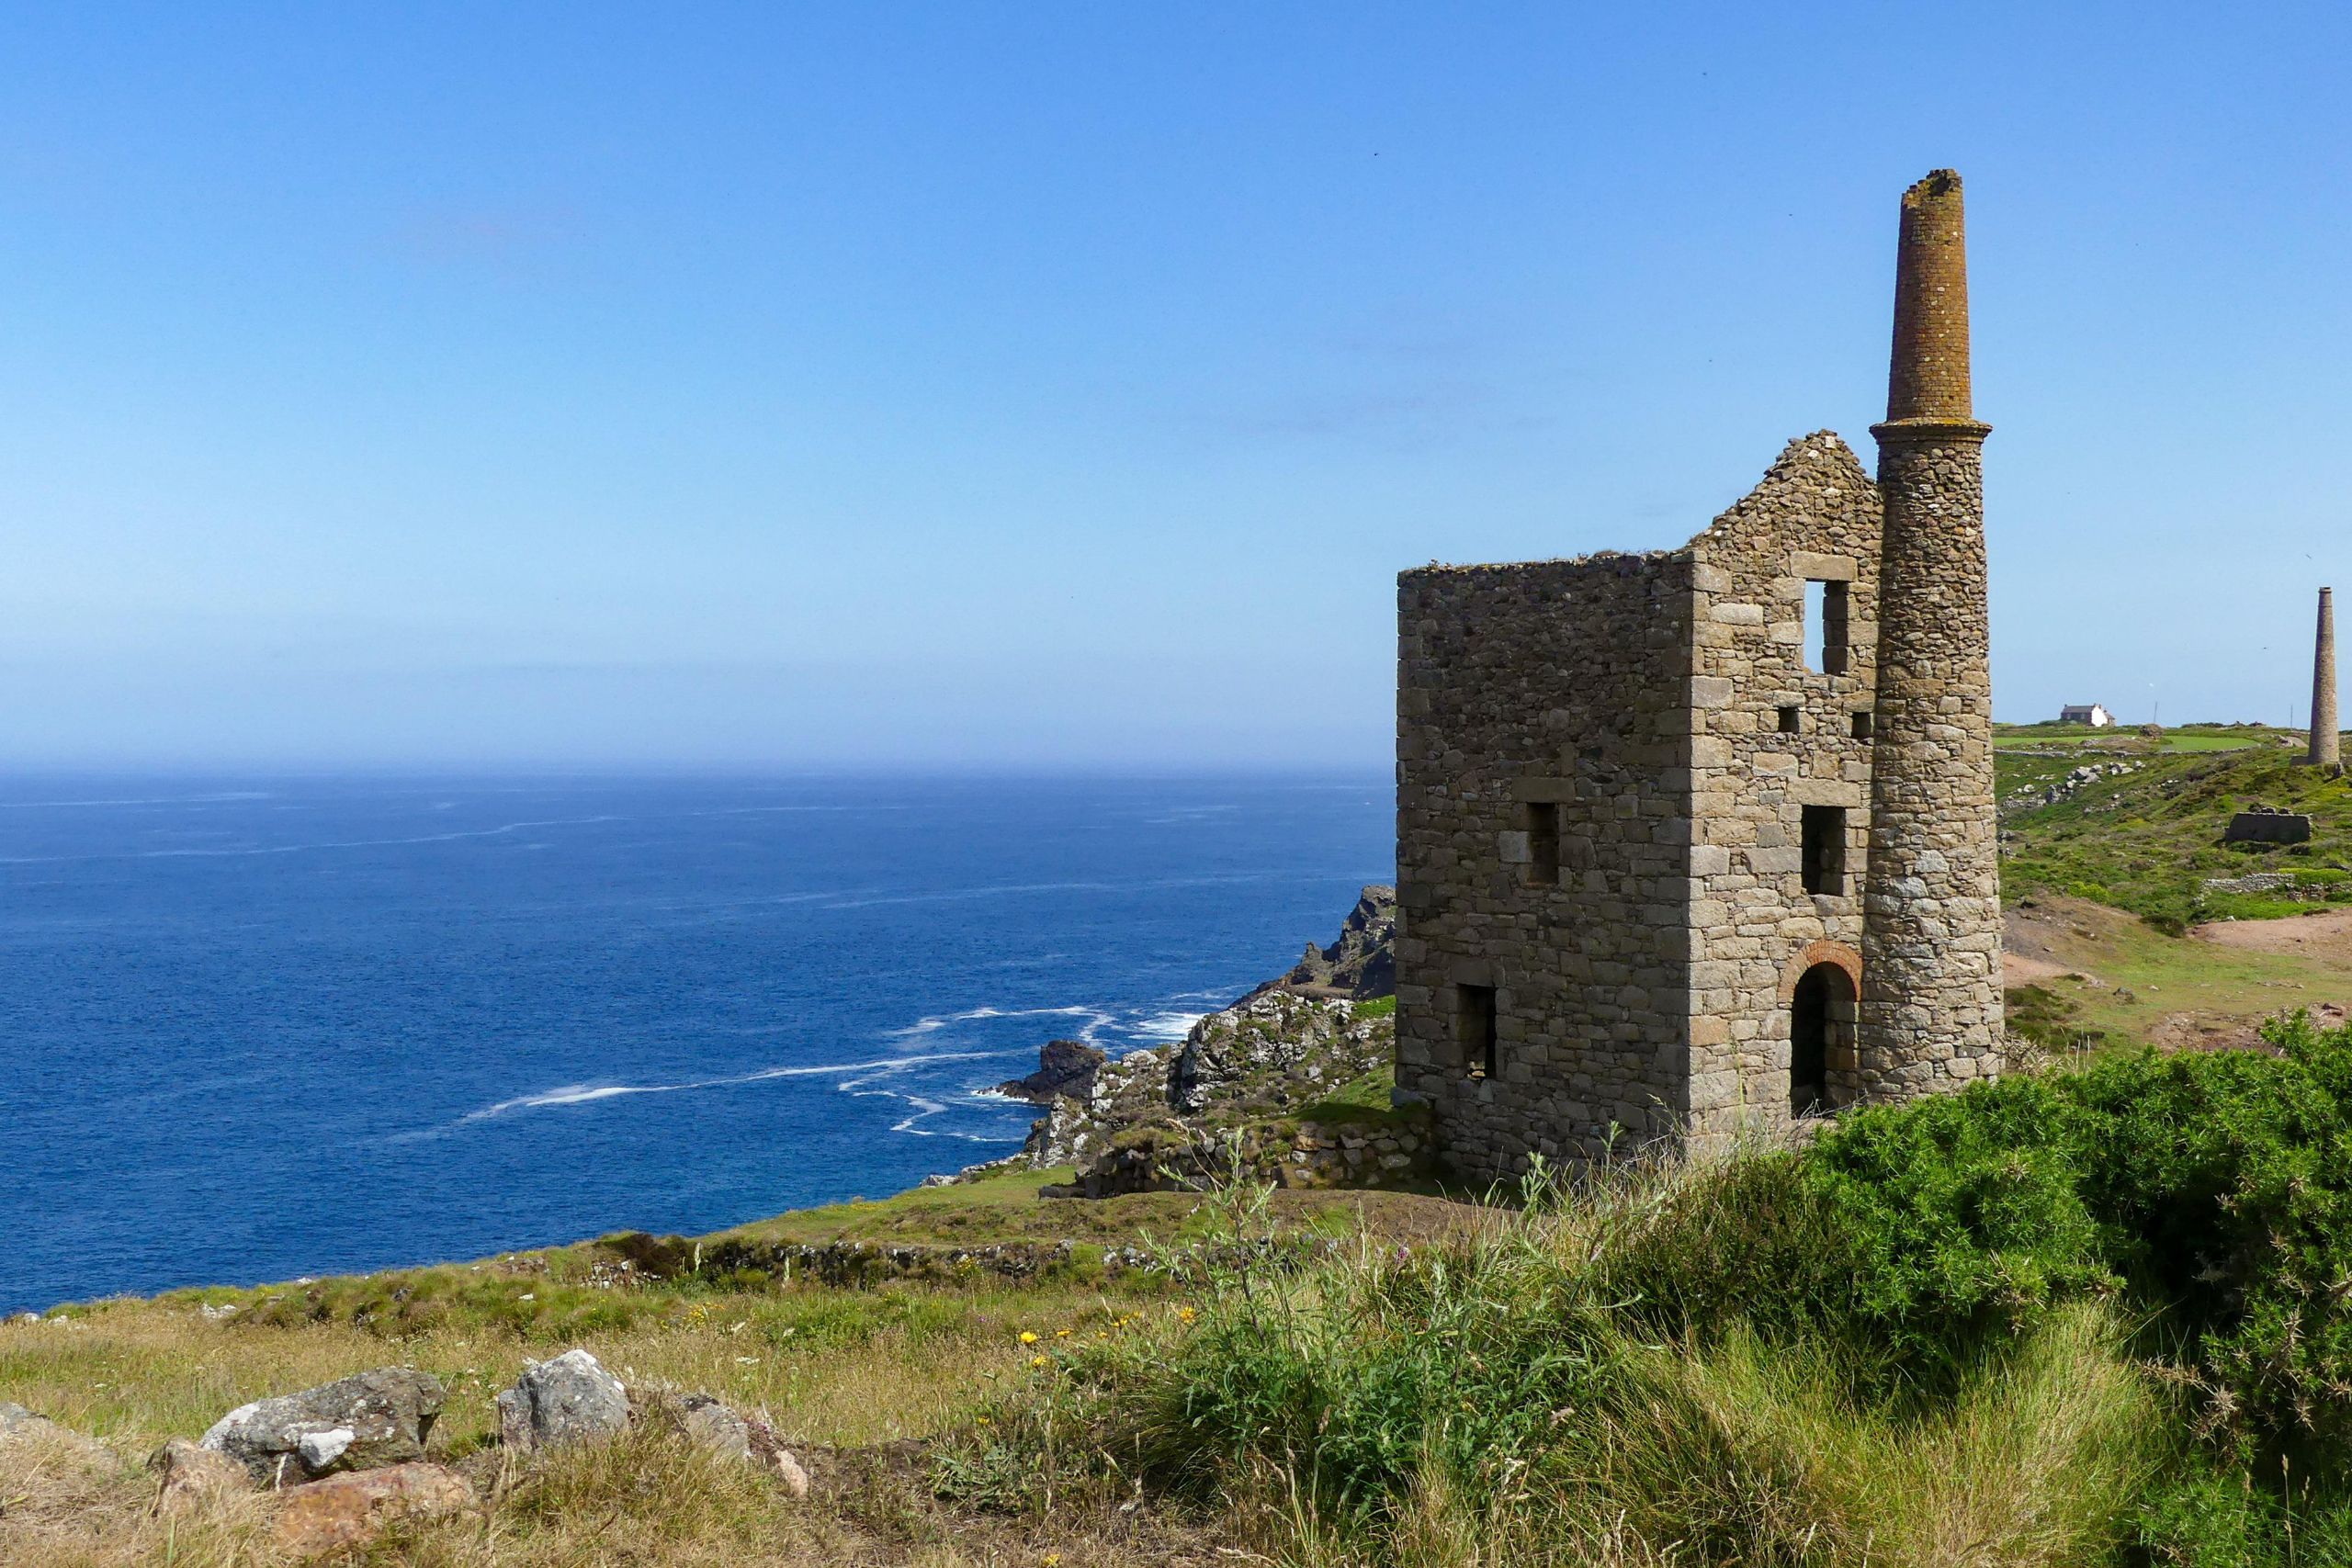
1823,856
1474,1023
1543,844
1824,627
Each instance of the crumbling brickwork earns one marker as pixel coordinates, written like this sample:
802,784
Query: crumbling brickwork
1638,809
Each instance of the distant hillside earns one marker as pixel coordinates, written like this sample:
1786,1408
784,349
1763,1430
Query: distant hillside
2135,821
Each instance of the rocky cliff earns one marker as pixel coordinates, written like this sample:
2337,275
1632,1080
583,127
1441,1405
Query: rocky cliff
1360,965
1294,1076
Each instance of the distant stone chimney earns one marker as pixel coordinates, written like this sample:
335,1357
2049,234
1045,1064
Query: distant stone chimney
1930,1008
2323,752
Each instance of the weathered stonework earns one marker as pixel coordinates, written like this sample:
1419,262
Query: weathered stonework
2324,750
1932,942
1636,807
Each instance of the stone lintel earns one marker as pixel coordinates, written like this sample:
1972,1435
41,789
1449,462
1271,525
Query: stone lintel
1824,792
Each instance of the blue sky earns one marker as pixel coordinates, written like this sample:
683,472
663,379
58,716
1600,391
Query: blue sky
1054,386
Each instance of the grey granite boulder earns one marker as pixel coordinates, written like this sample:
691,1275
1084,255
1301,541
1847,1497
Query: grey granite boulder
356,1423
715,1427
19,1425
16,1421
571,1399
707,1421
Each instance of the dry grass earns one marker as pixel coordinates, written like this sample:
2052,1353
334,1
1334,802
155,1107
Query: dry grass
837,1369
848,1367
646,1499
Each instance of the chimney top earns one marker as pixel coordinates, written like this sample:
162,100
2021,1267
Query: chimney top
1927,378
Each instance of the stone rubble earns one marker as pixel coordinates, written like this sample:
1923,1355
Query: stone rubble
568,1399
375,1418
341,1512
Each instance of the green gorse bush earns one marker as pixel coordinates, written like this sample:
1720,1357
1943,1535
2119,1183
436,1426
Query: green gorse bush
2051,1319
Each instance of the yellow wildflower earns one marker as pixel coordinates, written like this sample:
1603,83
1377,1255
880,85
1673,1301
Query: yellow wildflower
1027,1337
1037,1361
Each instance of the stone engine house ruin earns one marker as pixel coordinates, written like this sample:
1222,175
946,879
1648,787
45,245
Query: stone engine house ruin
1703,838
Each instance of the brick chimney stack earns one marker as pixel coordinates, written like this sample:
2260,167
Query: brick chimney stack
1931,913
2323,752
1928,378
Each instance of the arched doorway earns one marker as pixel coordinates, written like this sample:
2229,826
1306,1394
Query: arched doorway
1821,1028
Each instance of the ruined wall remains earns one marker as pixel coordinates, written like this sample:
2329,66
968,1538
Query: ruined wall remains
1542,827
1677,856
1754,928
1658,720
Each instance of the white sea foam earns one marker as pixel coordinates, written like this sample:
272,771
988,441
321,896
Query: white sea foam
587,1094
997,890
246,849
933,1023
222,798
1166,1025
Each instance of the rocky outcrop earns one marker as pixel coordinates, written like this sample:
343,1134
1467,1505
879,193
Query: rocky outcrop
346,1511
1293,1041
1272,1050
1360,965
569,1399
1392,1151
378,1417
1066,1070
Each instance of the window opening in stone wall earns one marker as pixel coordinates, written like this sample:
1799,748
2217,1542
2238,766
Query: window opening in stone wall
1789,718
1474,1023
1862,724
1824,846
1824,627
1543,844
1821,1016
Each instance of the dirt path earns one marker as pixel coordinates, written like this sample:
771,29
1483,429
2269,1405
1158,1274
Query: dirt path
2049,939
2017,969
2326,934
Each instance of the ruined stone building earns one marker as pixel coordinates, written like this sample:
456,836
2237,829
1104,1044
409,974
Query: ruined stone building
1704,838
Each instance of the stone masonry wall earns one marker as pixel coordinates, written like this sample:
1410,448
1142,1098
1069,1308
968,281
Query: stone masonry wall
1562,685
1753,927
1932,976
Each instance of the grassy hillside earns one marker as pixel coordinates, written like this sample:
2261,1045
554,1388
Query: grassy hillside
853,1373
2149,839
2090,1317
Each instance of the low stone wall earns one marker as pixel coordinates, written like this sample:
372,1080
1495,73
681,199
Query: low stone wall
1304,1155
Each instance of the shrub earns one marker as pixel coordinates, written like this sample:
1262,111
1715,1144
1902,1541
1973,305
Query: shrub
2009,1286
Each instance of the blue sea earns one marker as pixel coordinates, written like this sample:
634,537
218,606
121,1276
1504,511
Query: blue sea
257,1028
